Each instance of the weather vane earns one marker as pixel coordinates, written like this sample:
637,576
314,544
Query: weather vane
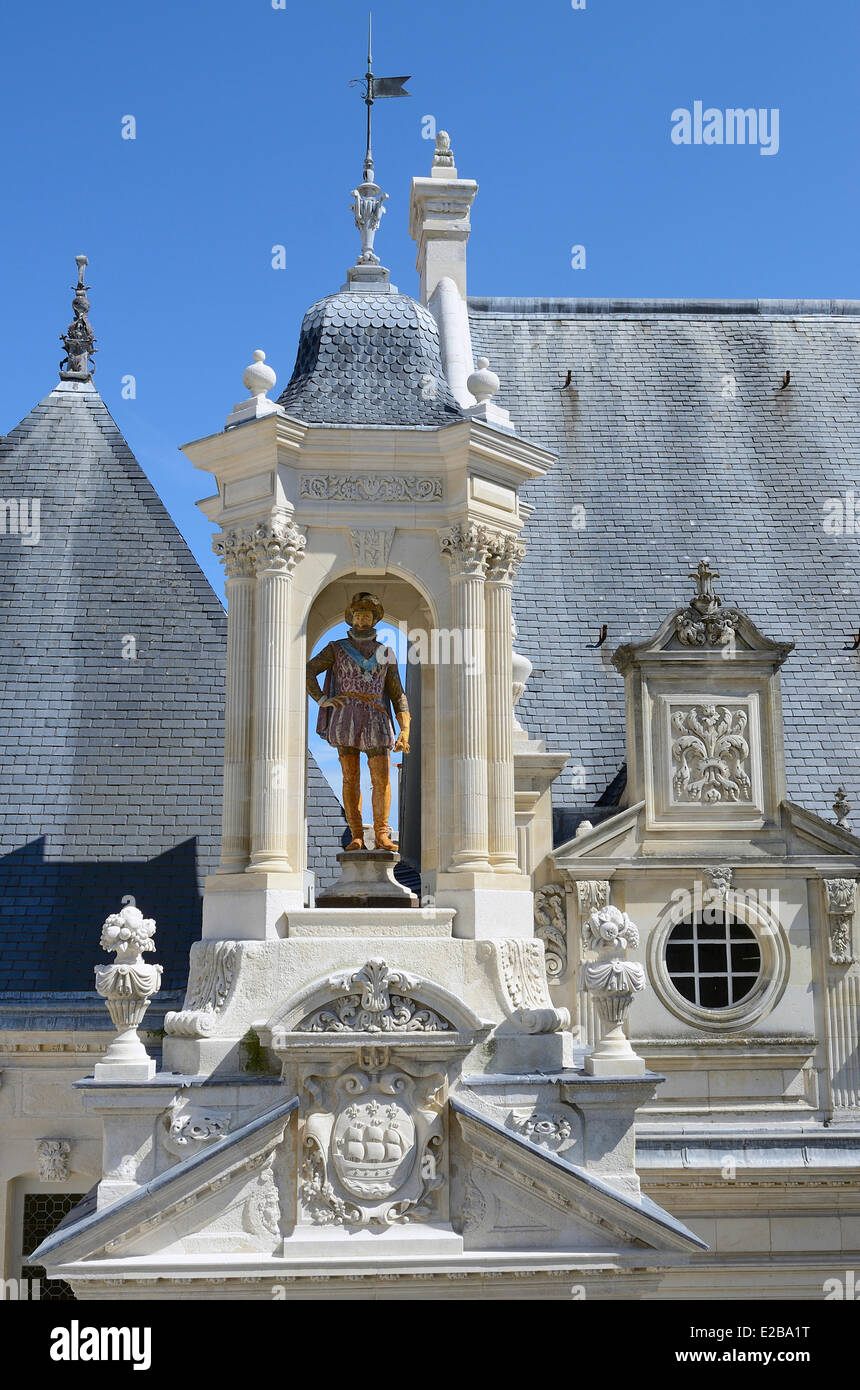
368,198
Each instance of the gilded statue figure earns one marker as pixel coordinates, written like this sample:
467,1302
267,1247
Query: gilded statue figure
362,686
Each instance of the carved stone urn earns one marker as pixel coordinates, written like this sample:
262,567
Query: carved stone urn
127,987
612,982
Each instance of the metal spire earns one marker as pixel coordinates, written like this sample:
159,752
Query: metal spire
368,199
79,339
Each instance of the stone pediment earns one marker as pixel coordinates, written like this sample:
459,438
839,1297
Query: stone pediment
376,1002
617,837
686,636
512,1177
228,1191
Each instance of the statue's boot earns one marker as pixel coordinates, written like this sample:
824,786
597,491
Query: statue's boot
380,777
350,763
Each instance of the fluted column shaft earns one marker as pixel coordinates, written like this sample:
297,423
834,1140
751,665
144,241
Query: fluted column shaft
232,547
277,548
466,549
505,555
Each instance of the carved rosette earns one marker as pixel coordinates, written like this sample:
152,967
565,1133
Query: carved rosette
52,1156
210,981
611,980
551,928
841,895
373,1142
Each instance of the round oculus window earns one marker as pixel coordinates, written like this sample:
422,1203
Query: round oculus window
713,964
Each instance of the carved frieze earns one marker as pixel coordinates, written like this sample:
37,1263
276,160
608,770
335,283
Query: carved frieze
210,980
841,895
372,1142
711,754
370,487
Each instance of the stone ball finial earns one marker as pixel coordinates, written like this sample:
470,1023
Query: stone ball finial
483,383
259,378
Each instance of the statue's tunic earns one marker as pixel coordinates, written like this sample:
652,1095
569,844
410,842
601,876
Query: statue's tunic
365,675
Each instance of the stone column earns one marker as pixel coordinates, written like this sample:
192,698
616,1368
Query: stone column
277,546
465,547
233,549
506,553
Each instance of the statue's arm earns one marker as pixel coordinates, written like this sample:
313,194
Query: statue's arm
323,661
397,695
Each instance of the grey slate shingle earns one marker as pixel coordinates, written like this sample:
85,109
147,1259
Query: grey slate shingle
111,768
670,468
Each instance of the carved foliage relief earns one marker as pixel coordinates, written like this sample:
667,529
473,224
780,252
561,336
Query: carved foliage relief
710,754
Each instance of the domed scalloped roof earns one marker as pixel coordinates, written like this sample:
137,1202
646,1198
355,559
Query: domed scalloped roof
369,358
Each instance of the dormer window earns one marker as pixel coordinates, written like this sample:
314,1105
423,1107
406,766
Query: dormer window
713,962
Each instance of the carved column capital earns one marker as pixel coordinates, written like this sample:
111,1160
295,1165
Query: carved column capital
276,544
233,550
504,556
466,547
841,899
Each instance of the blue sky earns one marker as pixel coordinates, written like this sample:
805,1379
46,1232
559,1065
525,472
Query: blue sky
248,136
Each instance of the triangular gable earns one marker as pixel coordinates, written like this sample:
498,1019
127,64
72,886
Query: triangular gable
604,1214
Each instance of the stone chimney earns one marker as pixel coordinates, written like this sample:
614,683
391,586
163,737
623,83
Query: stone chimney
439,225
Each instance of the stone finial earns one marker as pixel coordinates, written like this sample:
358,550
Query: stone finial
258,378
79,339
841,808
443,155
483,384
704,601
612,982
127,987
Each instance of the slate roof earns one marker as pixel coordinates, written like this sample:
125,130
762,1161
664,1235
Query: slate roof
369,358
111,766
678,442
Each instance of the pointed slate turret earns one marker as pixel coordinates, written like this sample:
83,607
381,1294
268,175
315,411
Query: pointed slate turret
111,691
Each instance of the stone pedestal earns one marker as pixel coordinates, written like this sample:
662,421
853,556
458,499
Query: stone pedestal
367,880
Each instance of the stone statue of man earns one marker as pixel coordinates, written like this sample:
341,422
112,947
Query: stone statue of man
361,686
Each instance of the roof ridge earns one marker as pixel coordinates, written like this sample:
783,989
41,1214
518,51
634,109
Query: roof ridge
790,308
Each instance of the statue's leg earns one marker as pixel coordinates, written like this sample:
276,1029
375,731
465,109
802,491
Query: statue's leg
350,766
380,777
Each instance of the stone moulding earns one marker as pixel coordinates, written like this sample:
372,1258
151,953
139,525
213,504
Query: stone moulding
213,965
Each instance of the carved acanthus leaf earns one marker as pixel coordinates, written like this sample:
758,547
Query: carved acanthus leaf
213,966
711,753
551,927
